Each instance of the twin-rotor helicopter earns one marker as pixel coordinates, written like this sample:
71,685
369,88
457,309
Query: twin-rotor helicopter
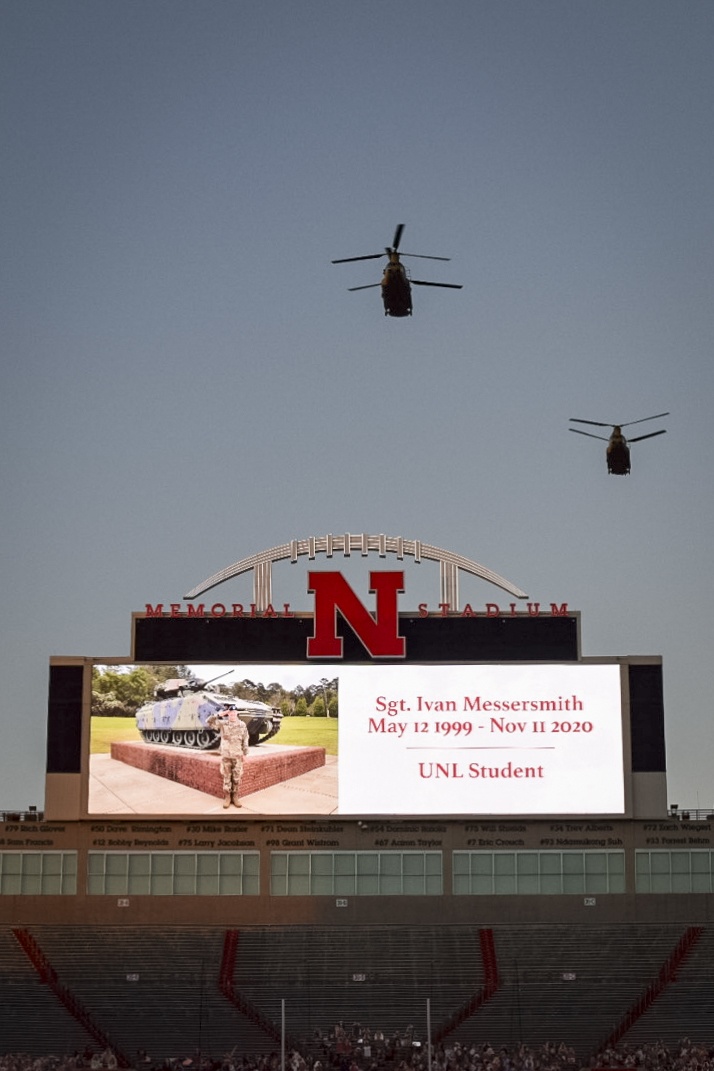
617,452
396,283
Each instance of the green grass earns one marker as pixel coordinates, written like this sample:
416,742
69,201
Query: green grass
313,732
104,731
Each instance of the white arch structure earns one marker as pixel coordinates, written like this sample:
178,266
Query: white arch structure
449,564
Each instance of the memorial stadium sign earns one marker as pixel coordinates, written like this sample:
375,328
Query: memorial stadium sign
378,631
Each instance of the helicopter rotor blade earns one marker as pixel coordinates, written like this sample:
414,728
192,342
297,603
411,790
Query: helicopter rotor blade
651,435
589,433
367,287
449,286
397,237
629,422
605,424
424,256
597,423
370,256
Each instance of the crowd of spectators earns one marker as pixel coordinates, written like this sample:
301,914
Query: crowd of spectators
360,1049
686,1055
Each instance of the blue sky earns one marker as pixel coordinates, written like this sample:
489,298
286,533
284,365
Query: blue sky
187,380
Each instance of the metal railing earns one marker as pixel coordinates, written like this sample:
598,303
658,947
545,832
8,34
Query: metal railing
30,815
690,814
674,811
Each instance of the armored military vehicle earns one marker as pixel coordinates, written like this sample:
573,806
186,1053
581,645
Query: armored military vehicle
178,713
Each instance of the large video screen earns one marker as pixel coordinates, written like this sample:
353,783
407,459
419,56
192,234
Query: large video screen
358,740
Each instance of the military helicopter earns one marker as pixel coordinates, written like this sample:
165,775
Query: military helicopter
396,284
618,451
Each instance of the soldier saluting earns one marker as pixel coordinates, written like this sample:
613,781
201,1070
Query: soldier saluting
234,748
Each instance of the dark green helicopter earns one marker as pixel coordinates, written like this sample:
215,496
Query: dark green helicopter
396,284
617,452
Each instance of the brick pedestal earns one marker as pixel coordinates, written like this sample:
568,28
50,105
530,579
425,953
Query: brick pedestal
263,767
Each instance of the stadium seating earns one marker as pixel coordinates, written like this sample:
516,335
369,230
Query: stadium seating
175,990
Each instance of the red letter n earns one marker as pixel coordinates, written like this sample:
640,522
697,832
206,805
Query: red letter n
379,634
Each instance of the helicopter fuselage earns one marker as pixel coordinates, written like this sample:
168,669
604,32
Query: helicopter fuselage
396,291
618,448
396,285
618,455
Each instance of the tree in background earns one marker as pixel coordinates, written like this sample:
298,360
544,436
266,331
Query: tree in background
118,693
318,708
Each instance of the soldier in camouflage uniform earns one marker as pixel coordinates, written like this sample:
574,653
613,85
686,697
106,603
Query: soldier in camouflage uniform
234,746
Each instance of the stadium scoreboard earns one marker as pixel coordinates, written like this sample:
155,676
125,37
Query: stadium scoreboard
449,711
